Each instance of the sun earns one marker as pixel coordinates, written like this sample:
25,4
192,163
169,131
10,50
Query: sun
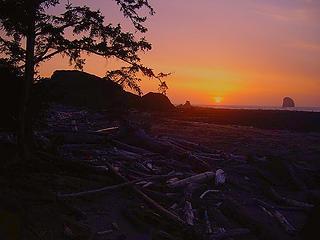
218,99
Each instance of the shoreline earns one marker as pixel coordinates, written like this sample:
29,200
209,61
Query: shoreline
301,121
252,107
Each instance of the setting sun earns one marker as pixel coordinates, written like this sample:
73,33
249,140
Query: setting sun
218,99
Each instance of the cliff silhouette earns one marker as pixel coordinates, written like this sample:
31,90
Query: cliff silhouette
83,89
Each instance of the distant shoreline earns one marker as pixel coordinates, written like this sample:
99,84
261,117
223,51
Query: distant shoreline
304,121
249,107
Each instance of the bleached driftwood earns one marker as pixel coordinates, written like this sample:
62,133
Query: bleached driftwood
273,212
163,211
239,213
192,145
107,130
199,178
220,177
142,139
288,201
129,148
284,222
109,188
188,210
188,213
208,191
175,143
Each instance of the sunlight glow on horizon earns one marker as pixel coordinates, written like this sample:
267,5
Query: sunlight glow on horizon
218,99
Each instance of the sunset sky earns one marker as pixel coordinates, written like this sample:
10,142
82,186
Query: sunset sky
230,52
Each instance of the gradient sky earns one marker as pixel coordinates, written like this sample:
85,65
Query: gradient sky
243,52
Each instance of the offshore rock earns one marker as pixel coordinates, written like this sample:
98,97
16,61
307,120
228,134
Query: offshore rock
288,102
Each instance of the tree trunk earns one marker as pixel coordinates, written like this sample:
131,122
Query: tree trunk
25,123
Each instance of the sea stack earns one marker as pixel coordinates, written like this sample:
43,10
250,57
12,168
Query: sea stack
288,102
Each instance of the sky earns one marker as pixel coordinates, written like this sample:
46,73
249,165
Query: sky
228,52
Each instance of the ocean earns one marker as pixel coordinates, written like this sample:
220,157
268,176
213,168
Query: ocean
299,109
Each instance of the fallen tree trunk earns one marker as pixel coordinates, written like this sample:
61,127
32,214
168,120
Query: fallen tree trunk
265,230
109,188
188,210
291,202
107,130
269,209
193,145
129,148
150,201
142,139
199,178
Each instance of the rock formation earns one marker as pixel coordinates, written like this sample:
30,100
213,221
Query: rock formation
288,102
156,102
187,104
77,88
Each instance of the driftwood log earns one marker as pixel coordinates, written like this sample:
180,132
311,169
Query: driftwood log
272,211
291,202
109,188
150,201
188,209
199,178
265,231
293,175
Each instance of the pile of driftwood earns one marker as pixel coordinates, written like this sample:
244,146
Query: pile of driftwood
201,192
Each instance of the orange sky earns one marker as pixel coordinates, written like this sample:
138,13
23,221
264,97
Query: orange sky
238,52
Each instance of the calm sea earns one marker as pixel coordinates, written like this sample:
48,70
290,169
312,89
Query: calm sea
303,109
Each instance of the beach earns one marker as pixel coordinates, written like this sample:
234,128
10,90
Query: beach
303,121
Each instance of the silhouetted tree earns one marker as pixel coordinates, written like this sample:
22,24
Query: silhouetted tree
32,36
9,90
